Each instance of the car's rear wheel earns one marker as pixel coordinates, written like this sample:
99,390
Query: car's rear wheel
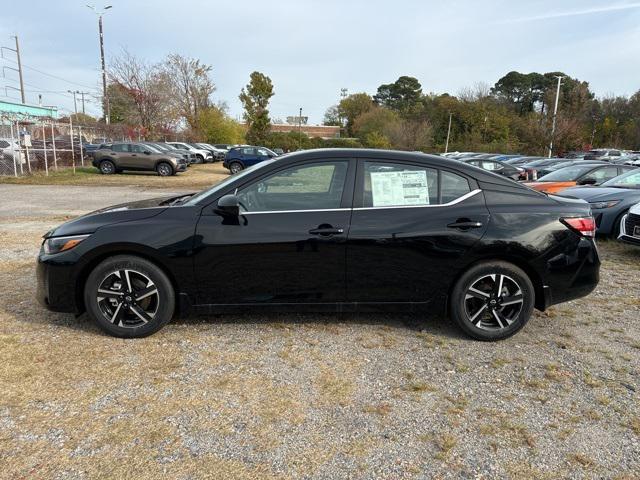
235,167
107,167
164,169
492,300
129,297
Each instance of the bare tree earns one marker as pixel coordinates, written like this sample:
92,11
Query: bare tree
145,85
191,86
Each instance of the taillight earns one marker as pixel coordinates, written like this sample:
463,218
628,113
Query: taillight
585,226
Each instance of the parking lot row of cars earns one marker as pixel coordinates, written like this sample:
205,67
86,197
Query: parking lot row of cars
607,179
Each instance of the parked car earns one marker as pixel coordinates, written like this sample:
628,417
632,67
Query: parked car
201,154
10,150
609,201
607,154
577,175
117,157
188,155
518,161
546,170
630,226
218,153
501,168
332,230
239,158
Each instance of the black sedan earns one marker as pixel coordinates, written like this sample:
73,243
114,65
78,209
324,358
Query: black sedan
328,230
501,168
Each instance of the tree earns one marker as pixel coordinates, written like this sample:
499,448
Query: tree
191,86
400,95
255,100
146,88
352,107
332,116
215,126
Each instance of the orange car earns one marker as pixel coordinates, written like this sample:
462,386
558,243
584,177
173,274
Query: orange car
566,177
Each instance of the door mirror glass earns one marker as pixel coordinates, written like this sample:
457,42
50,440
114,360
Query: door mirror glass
228,206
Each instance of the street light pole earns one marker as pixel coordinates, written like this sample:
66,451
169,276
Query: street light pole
300,130
555,114
106,110
446,146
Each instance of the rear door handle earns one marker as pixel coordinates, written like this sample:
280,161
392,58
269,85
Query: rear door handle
465,225
326,231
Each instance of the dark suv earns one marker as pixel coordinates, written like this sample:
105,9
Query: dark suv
116,157
239,158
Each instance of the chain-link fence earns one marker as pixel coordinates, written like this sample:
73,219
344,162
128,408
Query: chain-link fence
30,145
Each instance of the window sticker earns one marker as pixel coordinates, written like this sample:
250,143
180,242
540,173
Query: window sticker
399,188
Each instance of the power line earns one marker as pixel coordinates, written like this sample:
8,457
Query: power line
50,74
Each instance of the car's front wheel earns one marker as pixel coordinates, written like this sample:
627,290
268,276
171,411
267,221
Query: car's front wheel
492,300
164,169
107,167
129,297
235,167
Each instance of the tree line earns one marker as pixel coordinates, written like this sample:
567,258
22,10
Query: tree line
514,115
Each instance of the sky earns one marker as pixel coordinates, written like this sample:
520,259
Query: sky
311,49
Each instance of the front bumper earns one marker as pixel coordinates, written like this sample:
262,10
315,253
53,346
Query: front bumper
625,236
55,283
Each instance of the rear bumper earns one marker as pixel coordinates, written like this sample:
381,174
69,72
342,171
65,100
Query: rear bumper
627,237
572,274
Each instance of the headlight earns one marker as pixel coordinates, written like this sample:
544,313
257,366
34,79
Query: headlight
60,244
607,204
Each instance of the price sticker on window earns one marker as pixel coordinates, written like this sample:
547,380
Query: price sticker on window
399,188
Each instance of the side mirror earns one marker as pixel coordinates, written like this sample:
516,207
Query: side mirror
588,181
228,206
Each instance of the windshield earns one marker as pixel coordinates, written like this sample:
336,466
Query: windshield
566,174
153,148
232,178
626,180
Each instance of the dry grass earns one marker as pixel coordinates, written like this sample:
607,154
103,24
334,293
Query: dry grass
197,177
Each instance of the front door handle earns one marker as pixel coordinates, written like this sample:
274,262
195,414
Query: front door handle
464,224
326,231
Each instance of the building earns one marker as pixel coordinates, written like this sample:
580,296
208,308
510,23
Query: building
312,131
16,109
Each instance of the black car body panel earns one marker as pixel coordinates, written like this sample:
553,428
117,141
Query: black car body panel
375,257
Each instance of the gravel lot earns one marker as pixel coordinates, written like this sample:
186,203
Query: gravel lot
310,396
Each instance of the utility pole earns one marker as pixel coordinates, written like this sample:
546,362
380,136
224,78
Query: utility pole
106,110
300,130
555,114
82,94
446,146
75,102
19,69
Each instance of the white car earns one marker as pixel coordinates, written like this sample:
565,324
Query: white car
10,150
201,154
630,226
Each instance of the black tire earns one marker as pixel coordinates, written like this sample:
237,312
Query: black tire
107,167
164,169
199,158
479,311
235,167
154,310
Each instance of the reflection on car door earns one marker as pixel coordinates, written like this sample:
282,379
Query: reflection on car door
288,245
410,229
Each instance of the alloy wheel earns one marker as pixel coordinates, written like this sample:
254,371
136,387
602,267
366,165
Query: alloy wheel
235,167
493,302
164,170
128,298
106,167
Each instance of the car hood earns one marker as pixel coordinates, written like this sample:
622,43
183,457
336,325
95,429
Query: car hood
592,194
125,212
542,186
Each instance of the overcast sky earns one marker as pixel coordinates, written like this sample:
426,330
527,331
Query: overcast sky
312,49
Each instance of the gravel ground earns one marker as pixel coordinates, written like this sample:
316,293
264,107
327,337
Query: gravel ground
310,396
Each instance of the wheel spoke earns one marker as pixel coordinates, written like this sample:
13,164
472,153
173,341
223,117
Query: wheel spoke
473,317
141,314
124,276
474,292
512,300
118,314
145,292
501,319
497,284
102,293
